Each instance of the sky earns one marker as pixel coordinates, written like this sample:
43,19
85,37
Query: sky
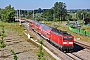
44,4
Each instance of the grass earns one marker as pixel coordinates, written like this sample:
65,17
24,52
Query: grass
13,26
87,28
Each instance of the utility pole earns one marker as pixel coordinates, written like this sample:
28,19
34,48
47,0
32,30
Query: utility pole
19,17
33,14
17,14
82,16
53,15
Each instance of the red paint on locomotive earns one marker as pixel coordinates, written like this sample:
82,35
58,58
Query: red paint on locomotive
60,38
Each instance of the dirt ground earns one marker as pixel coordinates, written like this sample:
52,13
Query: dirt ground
19,43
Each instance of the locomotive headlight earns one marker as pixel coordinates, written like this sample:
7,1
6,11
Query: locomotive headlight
70,42
64,42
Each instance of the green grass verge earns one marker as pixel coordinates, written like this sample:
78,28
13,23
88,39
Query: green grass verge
13,27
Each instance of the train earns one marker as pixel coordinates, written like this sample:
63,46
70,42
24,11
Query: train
63,40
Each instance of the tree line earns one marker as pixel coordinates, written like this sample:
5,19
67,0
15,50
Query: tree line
8,14
82,14
59,13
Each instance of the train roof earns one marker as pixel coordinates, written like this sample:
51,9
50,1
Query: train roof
54,30
37,23
60,32
45,27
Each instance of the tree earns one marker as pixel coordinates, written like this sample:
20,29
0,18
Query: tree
68,17
84,14
8,14
25,13
48,15
55,8
0,13
79,14
88,15
39,10
29,14
60,10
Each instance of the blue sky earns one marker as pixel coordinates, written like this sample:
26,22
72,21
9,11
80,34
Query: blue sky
35,4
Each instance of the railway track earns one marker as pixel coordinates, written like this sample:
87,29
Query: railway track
83,45
74,56
60,54
64,56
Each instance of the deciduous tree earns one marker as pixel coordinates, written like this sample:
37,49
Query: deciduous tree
7,14
60,10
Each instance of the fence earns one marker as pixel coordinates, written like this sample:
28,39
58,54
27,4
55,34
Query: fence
82,32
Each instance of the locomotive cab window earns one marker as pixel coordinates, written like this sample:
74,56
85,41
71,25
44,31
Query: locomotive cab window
67,38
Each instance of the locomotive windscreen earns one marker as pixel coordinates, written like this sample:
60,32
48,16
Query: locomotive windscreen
67,38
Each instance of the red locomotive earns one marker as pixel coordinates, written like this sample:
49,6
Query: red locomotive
61,39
